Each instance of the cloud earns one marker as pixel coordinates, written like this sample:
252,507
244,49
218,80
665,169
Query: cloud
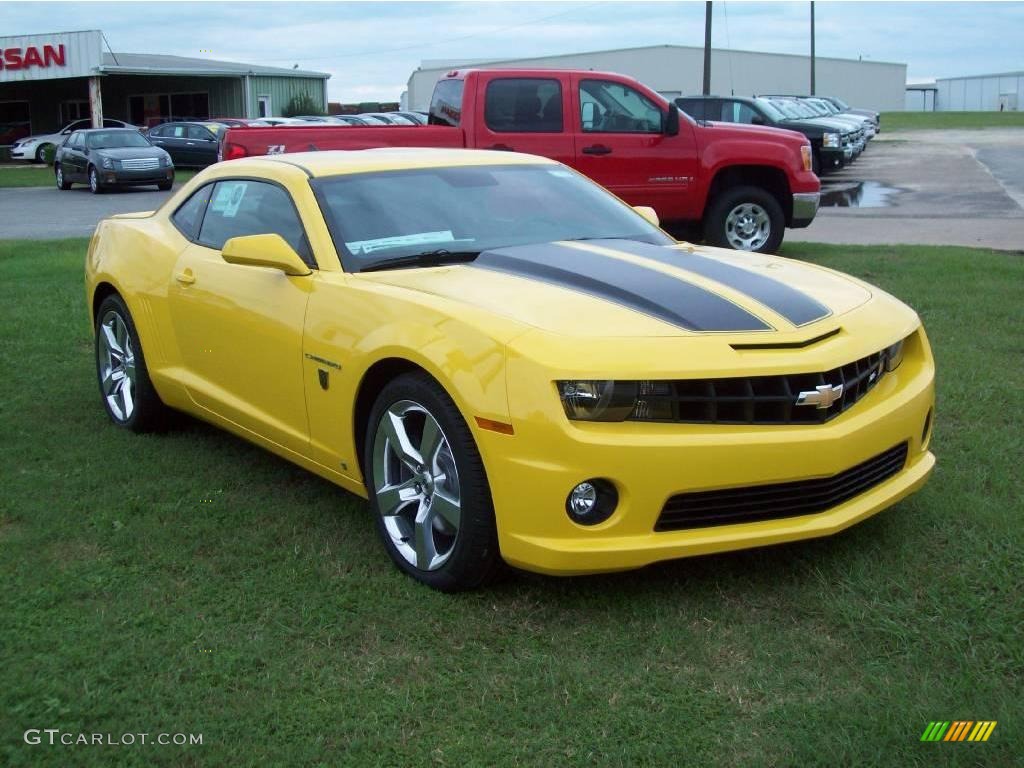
371,48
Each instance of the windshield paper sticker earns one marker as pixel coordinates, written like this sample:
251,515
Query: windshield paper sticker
399,241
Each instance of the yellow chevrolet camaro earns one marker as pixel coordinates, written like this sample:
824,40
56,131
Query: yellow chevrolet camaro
509,362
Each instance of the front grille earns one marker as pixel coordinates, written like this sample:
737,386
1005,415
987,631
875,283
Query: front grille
141,164
771,502
757,399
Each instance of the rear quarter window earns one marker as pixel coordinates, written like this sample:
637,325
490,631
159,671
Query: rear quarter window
446,105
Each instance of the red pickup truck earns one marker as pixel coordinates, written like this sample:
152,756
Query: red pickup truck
743,184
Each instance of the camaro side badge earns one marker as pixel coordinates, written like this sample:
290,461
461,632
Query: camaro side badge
821,396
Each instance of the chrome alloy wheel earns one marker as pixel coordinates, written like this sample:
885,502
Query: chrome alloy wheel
417,485
117,365
60,176
94,180
747,227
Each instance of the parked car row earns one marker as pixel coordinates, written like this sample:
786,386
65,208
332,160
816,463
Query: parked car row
837,134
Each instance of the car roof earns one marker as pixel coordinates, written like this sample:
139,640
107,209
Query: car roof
339,162
106,130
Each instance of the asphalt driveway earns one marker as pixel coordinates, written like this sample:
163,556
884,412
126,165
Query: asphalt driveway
43,213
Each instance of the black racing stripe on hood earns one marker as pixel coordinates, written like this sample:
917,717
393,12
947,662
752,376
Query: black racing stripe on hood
795,306
630,285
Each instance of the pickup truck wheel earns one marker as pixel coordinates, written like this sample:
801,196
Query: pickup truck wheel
427,487
745,219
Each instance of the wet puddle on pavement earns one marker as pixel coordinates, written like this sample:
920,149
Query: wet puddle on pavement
862,194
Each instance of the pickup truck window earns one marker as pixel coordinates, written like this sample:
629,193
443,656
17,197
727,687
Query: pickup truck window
391,214
608,107
446,105
737,112
524,105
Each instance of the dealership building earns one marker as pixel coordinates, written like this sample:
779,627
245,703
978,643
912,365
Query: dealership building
678,70
49,80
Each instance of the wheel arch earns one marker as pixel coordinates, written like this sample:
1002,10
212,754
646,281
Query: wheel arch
768,177
374,379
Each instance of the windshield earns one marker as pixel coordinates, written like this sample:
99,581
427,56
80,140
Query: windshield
840,103
382,216
786,108
773,112
114,139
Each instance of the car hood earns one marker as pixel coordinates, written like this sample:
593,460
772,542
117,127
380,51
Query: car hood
52,138
130,153
741,130
624,288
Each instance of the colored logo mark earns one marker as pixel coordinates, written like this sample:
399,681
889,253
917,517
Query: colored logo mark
958,730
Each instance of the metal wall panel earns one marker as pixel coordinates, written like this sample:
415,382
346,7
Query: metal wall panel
82,56
281,90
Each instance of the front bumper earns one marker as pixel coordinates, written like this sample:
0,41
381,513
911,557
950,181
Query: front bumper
832,157
24,153
120,177
805,208
532,472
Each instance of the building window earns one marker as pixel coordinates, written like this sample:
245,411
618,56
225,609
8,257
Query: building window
73,110
263,106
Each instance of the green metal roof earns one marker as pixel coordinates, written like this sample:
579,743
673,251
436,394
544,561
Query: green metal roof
161,64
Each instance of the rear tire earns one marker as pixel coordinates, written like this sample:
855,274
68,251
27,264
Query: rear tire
127,393
427,487
163,186
745,219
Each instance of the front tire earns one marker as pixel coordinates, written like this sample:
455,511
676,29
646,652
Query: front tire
163,186
94,181
427,487
128,395
41,153
62,183
745,219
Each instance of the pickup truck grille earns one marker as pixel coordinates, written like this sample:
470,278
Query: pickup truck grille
771,502
141,164
760,399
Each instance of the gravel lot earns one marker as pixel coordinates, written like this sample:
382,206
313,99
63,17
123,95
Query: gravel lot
945,188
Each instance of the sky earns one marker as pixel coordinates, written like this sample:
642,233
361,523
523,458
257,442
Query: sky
370,48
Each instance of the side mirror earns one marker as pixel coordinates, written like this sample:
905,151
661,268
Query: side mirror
671,121
264,251
648,213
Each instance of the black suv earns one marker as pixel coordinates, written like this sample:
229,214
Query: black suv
830,146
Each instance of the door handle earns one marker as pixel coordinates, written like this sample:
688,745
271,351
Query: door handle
186,277
502,148
190,143
597,149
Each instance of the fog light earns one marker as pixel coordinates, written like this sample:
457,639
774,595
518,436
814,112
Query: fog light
591,502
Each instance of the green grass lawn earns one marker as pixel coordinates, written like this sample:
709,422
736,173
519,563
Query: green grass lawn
42,176
916,121
189,582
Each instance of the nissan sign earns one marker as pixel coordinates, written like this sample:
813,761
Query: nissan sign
49,57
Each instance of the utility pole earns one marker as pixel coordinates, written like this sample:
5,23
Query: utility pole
812,47
707,48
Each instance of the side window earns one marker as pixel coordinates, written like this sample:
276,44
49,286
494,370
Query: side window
241,207
176,131
693,107
737,112
156,131
189,215
526,105
77,140
199,133
446,105
607,107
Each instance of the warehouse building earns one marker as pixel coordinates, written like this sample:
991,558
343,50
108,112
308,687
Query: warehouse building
981,93
48,80
676,70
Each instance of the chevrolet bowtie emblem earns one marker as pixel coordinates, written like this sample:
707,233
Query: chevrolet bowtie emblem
821,396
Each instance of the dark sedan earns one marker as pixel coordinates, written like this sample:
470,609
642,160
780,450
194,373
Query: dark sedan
193,144
111,157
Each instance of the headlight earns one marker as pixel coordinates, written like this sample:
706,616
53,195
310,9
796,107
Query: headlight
894,356
830,140
598,400
805,157
165,161
108,163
